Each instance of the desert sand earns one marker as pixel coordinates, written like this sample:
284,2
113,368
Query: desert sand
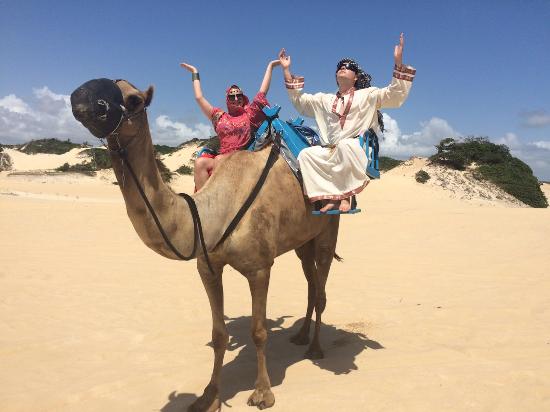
441,304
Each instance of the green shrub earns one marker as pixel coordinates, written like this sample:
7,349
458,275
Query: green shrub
495,164
164,149
422,176
84,168
459,155
515,178
165,173
185,170
5,161
50,146
100,157
387,163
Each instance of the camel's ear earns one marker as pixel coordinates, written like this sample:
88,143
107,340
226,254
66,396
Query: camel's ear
149,95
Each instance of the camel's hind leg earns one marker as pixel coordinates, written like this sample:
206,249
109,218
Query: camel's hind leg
210,401
262,397
306,253
325,246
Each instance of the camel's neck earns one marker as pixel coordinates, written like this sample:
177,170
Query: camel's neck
171,210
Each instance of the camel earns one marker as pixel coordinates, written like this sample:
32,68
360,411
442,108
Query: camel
279,220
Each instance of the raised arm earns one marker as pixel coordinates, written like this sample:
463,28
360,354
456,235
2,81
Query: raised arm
201,101
304,103
284,60
266,82
396,93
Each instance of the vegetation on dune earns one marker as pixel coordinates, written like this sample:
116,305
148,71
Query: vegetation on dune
99,160
493,163
5,161
164,149
165,173
84,168
387,163
100,157
185,170
422,176
49,146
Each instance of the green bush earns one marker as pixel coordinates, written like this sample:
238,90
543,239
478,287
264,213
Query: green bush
185,170
50,146
5,161
459,155
84,168
495,164
164,149
100,157
422,176
165,173
387,163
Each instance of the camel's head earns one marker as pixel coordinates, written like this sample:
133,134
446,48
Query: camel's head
104,106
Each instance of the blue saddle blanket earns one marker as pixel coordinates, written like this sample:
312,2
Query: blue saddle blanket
295,137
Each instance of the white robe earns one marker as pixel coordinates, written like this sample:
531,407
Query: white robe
339,172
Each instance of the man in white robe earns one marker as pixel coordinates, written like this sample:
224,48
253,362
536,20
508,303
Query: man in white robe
336,170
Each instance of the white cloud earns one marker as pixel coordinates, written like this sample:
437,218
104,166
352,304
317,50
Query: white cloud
49,116
14,104
538,118
420,143
542,144
171,132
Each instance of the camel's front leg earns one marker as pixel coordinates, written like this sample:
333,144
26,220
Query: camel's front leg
210,401
262,397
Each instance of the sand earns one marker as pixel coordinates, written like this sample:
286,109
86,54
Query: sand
441,304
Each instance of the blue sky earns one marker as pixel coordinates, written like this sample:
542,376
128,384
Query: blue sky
481,66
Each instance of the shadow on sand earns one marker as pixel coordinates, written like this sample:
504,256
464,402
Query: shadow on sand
341,346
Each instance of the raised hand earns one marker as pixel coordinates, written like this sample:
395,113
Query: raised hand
284,59
274,63
398,50
188,67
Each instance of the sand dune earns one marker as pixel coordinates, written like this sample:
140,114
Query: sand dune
440,304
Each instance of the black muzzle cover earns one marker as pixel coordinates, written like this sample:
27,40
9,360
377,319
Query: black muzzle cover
98,105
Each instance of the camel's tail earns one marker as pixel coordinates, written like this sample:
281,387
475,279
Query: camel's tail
338,258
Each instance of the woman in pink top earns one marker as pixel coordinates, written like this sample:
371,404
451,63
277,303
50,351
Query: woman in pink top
234,127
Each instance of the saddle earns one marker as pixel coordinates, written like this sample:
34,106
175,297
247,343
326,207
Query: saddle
295,137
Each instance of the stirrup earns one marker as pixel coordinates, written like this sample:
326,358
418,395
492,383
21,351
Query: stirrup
353,209
336,212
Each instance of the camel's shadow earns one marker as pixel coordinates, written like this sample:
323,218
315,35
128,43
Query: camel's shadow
340,346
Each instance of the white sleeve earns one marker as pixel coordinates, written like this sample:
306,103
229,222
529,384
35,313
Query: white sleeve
305,103
396,93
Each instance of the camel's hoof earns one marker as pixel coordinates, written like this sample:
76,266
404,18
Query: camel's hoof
262,398
300,339
208,402
314,353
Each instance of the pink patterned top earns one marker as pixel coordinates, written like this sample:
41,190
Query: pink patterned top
235,131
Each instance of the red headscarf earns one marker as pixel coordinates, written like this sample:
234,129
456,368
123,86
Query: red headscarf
233,109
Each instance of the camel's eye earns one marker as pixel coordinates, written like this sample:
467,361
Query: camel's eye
133,101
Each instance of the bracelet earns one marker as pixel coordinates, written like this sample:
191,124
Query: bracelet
195,76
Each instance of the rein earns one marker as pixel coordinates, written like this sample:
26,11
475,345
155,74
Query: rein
122,152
